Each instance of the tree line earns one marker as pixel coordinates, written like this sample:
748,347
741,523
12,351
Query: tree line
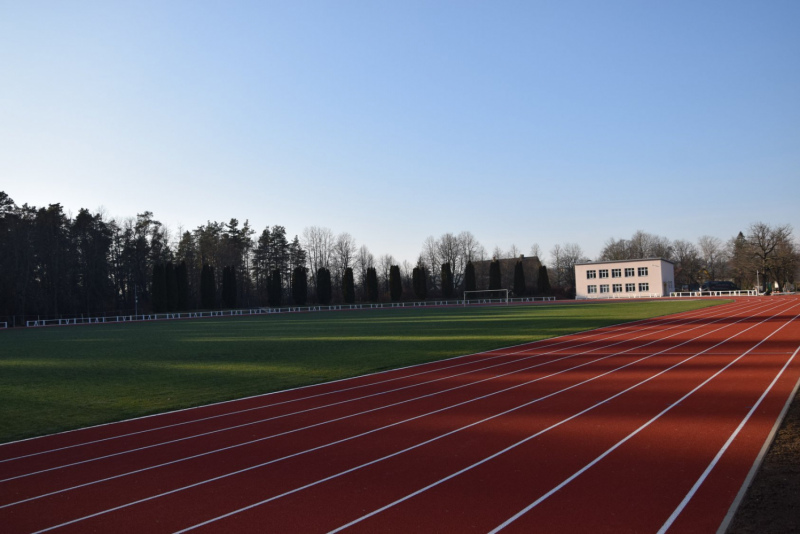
55,265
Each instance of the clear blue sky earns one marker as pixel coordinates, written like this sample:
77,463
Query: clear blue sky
522,122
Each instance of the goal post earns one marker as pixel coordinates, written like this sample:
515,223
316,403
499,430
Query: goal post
486,296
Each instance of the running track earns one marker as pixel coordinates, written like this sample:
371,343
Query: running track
649,426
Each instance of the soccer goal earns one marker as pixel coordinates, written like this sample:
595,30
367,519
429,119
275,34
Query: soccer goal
486,296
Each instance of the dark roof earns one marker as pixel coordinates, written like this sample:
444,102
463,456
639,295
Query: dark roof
624,261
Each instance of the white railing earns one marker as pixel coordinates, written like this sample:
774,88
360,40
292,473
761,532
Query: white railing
620,296
267,311
738,293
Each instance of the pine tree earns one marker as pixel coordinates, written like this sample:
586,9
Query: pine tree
275,289
447,281
229,287
372,284
299,286
519,279
420,282
323,286
544,281
171,287
495,282
208,288
348,286
158,292
182,283
469,277
395,283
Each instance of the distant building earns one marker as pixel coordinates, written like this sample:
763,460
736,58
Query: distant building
530,266
647,277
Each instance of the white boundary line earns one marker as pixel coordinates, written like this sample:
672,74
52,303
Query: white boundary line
385,371
668,523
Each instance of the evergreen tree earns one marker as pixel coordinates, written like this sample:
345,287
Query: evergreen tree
420,282
208,288
323,286
372,284
469,277
395,283
229,287
171,287
544,281
495,282
275,289
158,291
299,285
182,283
447,281
519,279
348,286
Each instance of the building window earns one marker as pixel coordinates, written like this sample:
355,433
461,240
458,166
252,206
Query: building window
592,289
617,288
591,274
642,271
630,288
616,273
644,286
604,288
629,271
603,273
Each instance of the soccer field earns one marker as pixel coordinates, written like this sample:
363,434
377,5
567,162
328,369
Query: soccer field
60,378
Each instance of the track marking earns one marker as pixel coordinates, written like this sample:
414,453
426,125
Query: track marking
515,445
668,523
627,438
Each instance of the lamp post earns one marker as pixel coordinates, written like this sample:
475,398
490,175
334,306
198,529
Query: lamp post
758,284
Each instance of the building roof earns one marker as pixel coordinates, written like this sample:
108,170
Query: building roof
623,261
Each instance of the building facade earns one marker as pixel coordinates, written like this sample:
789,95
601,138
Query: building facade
647,277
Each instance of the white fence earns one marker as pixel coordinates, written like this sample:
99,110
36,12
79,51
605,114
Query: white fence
268,311
739,293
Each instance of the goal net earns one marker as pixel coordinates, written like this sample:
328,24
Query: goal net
486,296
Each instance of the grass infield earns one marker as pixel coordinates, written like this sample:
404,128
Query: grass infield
55,379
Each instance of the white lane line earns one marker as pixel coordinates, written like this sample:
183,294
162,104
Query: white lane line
668,523
570,338
631,435
515,445
102,512
569,356
264,420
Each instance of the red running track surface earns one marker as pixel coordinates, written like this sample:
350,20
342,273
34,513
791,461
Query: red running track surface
648,426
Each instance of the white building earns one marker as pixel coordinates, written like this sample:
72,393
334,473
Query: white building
648,277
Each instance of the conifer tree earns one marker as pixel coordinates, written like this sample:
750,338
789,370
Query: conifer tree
495,282
171,284
323,286
229,287
348,286
447,281
544,281
158,293
182,283
469,277
395,283
519,279
372,284
275,289
208,288
299,286
420,282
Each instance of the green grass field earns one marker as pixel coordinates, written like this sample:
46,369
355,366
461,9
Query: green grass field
54,379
